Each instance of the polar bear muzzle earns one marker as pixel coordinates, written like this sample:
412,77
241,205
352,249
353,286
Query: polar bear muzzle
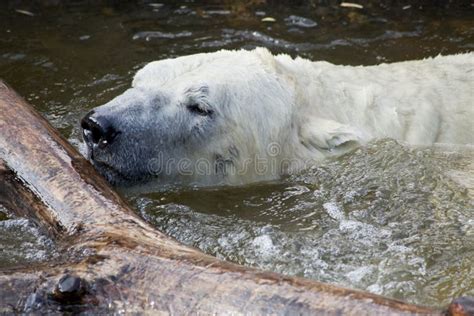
98,130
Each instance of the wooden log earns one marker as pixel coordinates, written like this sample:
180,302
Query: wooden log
112,261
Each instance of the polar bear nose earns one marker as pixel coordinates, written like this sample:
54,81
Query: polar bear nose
98,129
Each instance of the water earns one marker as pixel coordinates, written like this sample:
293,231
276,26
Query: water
386,218
22,243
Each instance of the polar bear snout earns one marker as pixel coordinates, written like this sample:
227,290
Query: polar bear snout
98,130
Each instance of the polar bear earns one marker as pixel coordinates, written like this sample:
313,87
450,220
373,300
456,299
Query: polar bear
234,117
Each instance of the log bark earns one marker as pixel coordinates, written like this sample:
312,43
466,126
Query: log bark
112,261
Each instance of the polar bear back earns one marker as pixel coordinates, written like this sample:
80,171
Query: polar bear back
421,102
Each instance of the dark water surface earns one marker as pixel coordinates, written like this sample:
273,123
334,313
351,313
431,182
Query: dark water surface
387,218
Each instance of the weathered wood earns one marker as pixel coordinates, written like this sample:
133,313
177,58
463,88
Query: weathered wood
113,261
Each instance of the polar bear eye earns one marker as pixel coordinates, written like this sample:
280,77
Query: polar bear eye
196,109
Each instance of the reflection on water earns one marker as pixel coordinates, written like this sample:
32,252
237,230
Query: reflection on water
385,218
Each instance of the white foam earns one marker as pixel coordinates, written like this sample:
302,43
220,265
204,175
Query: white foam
334,211
264,246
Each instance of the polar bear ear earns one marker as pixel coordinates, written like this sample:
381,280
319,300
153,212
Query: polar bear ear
323,134
266,57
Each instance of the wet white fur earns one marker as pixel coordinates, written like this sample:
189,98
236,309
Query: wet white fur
315,109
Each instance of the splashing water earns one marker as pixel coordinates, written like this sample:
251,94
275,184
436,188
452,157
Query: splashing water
385,218
21,243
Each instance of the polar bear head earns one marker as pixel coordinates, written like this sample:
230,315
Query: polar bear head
224,117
